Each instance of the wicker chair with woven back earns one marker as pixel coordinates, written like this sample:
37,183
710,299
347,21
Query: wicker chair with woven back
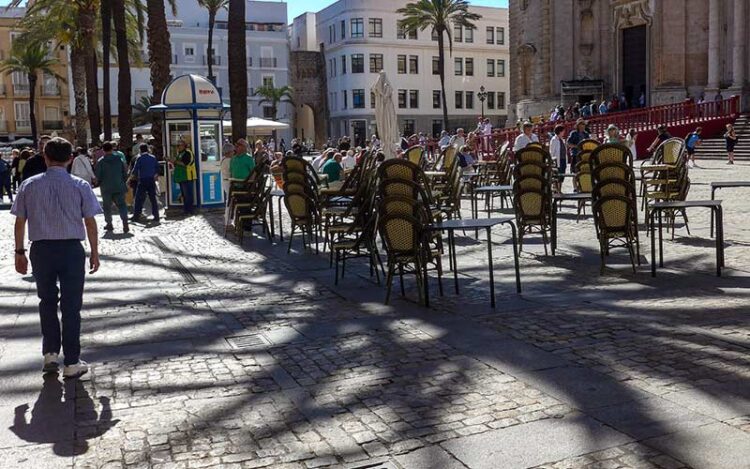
614,201
532,193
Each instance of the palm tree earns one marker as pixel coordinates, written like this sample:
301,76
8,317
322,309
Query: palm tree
105,13
213,7
30,58
274,96
124,108
440,16
160,56
237,55
141,116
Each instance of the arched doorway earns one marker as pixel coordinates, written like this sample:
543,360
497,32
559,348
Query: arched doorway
304,127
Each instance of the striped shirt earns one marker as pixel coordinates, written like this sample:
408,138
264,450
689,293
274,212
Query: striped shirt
55,204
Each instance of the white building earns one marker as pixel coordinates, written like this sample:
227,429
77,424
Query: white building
360,37
267,54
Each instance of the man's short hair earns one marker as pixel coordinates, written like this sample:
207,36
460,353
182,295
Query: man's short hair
143,147
107,146
58,149
45,137
559,129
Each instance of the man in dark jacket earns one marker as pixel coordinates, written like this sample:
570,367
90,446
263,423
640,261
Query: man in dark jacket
35,165
111,174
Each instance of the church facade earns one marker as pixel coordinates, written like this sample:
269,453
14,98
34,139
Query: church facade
655,51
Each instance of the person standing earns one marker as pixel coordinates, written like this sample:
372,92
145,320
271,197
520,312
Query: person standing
5,169
558,150
15,176
81,167
630,142
111,173
577,136
60,211
691,142
146,171
227,153
35,165
731,139
184,174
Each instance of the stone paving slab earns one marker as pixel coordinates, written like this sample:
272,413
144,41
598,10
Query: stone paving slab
535,443
716,446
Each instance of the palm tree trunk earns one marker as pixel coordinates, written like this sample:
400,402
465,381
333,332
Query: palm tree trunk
78,73
160,56
441,67
124,107
32,103
211,22
237,68
106,15
87,21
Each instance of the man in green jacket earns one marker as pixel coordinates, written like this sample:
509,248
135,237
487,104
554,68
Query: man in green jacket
242,163
111,173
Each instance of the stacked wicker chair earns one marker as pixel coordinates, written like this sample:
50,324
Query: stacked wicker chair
532,192
405,208
301,197
248,201
672,184
614,200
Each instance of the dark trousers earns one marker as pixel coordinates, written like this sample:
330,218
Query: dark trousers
146,186
119,199
5,186
186,187
62,261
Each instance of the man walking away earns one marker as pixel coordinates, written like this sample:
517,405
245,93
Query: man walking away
35,165
146,170
111,174
54,203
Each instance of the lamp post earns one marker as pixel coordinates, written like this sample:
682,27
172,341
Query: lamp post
482,95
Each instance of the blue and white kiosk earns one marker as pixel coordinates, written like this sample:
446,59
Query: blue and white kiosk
193,112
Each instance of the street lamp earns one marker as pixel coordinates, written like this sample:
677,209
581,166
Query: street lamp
482,95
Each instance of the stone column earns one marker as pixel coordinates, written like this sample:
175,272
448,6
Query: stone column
738,47
714,49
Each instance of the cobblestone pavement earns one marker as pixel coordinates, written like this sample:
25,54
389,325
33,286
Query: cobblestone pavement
210,354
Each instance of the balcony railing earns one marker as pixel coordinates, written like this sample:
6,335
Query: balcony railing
21,88
216,60
23,124
51,90
268,62
52,125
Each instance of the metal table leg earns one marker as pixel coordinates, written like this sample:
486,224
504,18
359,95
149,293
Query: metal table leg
452,253
554,226
653,243
492,270
718,211
515,257
281,228
270,210
713,194
661,242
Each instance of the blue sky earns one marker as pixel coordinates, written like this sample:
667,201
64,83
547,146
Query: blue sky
297,7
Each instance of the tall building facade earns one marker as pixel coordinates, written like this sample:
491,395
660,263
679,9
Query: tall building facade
665,51
359,38
267,54
52,100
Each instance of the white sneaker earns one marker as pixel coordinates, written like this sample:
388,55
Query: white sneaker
51,363
76,370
